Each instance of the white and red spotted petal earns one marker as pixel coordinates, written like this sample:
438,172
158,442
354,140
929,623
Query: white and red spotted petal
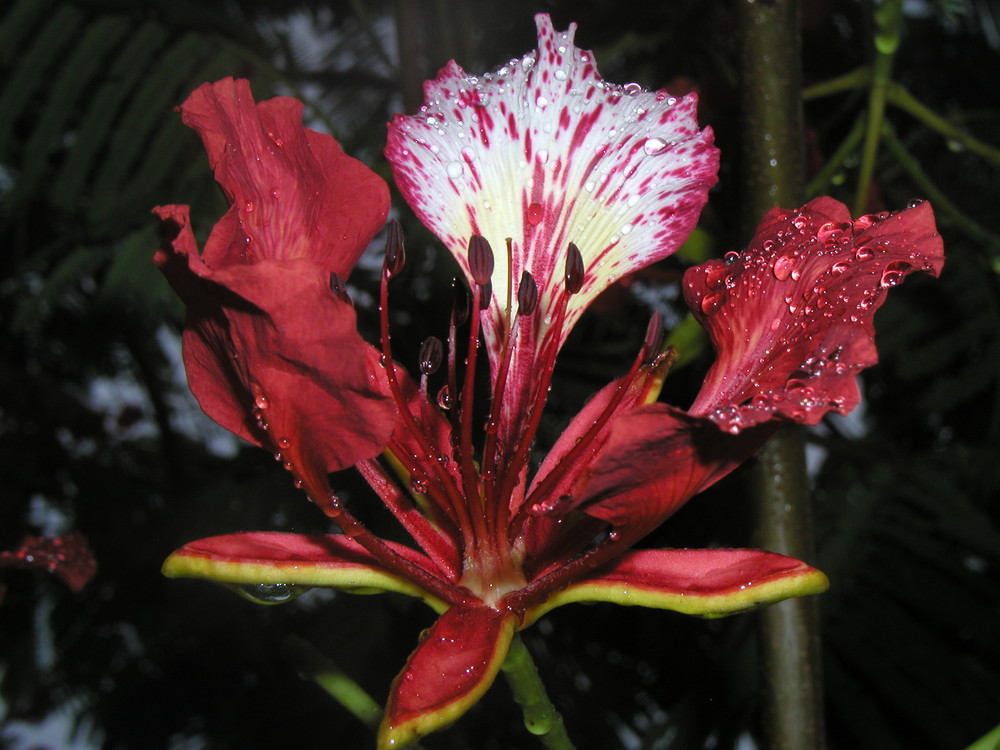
544,152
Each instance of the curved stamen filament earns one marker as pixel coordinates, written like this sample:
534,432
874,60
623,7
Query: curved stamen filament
450,495
391,559
438,546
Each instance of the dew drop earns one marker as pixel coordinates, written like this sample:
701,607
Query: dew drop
711,303
270,593
839,267
654,146
560,75
444,399
715,276
541,102
632,89
534,214
418,486
864,253
894,273
248,207
455,169
783,267
260,401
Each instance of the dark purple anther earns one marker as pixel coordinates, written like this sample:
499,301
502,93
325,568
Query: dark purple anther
338,287
395,254
480,259
431,354
527,294
574,269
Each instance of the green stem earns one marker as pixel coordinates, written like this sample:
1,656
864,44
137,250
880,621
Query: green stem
540,716
835,164
902,98
856,79
942,204
888,21
313,665
772,126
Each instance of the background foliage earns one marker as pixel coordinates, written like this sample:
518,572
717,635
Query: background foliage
97,431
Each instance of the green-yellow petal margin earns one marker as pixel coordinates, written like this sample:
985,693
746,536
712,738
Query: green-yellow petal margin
198,560
700,600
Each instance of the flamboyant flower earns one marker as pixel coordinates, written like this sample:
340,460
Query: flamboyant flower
547,184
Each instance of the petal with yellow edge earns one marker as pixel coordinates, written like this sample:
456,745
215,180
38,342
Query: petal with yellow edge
454,664
704,582
257,562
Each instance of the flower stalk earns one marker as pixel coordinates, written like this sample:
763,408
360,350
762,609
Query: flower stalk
541,717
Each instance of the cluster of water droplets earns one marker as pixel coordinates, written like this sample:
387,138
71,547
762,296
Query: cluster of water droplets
835,249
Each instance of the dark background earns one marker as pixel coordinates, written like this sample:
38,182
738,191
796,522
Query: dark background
98,433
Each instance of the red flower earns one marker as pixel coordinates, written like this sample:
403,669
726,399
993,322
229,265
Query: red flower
580,181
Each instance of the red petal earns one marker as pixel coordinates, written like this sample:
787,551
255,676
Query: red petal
706,582
792,317
452,667
269,558
656,458
68,557
294,193
273,355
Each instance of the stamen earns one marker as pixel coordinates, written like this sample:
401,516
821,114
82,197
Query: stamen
431,354
439,546
395,253
485,295
527,294
338,287
480,259
450,492
574,269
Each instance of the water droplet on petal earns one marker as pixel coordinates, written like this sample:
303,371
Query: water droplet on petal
248,207
260,401
783,267
541,102
839,267
534,214
894,273
454,169
632,88
711,303
270,593
654,146
864,253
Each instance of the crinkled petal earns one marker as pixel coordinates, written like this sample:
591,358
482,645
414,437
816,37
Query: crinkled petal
273,355
792,317
545,152
264,564
705,582
453,666
294,193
